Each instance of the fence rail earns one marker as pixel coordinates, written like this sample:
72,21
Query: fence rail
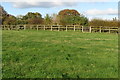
61,28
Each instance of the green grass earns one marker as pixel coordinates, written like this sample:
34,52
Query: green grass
59,54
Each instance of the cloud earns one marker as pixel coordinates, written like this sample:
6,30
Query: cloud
60,0
109,11
42,4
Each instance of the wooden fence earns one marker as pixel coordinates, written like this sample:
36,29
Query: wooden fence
61,28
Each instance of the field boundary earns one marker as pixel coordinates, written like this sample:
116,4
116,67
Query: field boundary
80,28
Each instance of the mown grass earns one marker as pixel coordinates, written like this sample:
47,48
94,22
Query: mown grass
52,54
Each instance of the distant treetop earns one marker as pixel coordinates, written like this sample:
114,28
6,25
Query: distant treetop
69,12
2,11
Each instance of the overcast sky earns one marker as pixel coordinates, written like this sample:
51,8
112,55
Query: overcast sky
104,10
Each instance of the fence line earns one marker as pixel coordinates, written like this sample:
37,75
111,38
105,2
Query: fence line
61,28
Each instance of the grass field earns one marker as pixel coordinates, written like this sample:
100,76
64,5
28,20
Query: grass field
54,54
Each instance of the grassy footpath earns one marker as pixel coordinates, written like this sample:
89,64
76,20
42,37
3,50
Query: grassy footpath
53,54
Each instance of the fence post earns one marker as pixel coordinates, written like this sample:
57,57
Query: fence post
82,28
11,27
2,27
90,29
100,29
24,27
109,29
51,27
74,27
66,27
44,27
8,27
37,27
118,30
58,27
16,27
30,26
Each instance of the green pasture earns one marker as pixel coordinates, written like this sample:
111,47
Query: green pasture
59,54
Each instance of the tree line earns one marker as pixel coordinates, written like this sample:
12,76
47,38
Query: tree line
64,17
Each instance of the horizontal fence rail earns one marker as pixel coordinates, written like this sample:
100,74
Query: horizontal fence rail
62,28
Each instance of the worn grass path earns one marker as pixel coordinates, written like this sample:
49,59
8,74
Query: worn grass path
53,54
